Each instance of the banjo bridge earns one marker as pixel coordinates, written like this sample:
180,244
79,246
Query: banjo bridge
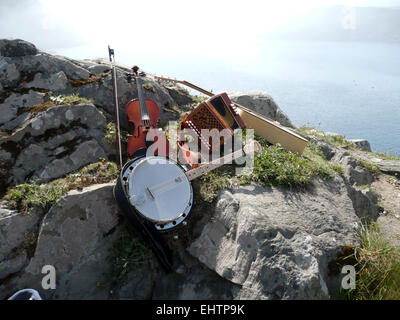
151,195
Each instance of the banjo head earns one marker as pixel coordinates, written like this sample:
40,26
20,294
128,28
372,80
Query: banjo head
159,190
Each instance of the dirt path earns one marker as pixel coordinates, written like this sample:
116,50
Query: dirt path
388,188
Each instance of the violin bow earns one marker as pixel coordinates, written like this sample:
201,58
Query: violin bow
117,125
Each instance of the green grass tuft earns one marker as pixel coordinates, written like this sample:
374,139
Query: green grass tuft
69,99
128,252
148,86
335,140
378,267
370,166
274,166
29,195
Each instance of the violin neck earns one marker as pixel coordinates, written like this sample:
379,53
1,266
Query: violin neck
142,101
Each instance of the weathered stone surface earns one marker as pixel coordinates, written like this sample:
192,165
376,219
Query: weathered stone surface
196,283
55,82
48,64
8,72
327,149
16,48
139,284
362,144
276,244
180,97
365,202
353,170
17,103
16,122
15,228
75,237
263,104
391,167
99,68
86,152
79,129
13,265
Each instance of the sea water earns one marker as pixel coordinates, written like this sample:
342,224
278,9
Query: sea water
352,88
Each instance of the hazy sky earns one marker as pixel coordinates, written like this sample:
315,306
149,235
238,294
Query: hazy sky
170,26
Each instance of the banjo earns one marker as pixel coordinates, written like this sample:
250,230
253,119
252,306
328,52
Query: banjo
160,190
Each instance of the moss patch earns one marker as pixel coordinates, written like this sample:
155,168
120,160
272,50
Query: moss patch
370,166
148,86
93,79
28,195
58,101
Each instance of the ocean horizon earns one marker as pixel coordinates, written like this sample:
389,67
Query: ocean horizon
352,88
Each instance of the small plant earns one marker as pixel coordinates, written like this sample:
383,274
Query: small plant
377,265
29,195
274,166
148,86
97,79
370,166
69,99
182,90
57,101
200,99
128,252
110,134
94,173
336,140
386,156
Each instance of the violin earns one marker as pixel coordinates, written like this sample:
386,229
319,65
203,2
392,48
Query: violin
144,115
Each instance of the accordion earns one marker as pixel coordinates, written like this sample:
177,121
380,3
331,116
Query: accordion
218,113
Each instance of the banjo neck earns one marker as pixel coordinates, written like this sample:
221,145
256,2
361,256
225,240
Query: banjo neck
202,169
205,168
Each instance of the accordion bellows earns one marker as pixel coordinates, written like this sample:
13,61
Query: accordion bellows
219,113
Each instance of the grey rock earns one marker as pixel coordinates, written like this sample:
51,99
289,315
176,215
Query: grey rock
327,149
9,74
7,112
54,82
263,104
138,285
16,48
31,148
13,265
48,64
362,144
275,243
75,237
365,202
196,283
99,68
181,97
15,228
354,171
387,166
126,92
86,152
17,103
16,122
